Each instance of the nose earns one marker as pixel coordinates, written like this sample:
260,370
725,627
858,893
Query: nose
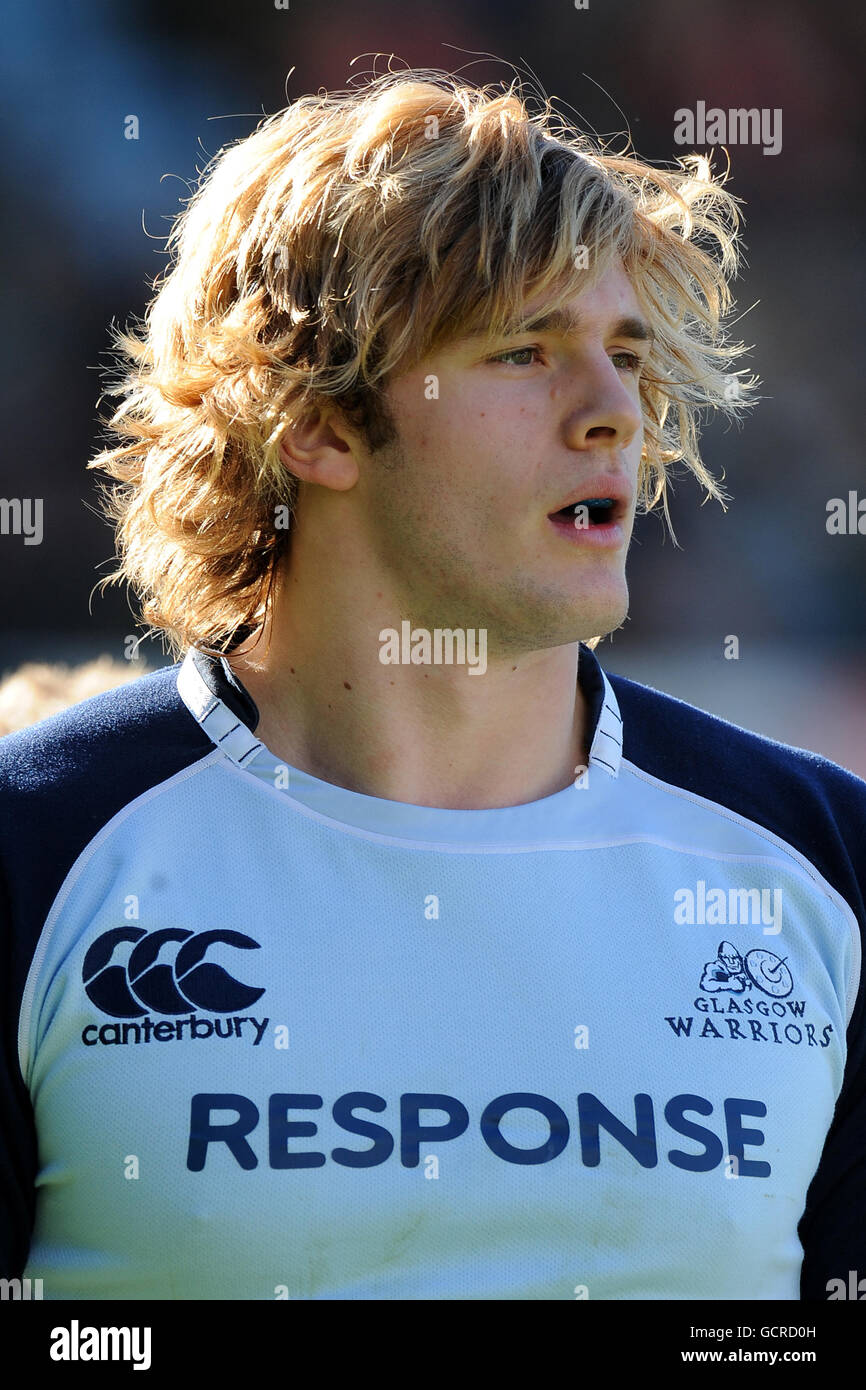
604,411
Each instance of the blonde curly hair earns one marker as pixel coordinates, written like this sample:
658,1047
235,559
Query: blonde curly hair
342,241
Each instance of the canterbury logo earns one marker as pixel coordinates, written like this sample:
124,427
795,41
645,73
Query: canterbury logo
148,985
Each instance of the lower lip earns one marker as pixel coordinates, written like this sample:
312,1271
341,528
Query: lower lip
608,536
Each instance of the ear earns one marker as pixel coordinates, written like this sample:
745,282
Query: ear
318,448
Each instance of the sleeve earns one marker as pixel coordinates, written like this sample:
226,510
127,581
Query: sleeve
61,781
819,808
832,1228
18,1146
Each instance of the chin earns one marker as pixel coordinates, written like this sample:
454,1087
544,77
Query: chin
598,618
602,626
539,619
582,625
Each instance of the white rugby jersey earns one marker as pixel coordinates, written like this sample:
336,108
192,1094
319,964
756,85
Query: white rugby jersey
264,1037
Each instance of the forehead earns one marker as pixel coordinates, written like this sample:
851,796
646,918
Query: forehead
610,296
608,303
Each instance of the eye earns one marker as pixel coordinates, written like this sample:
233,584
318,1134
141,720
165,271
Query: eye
516,352
629,360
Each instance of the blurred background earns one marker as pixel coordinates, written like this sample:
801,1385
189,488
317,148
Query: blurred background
86,212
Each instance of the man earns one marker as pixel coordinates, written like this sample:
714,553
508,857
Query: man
385,947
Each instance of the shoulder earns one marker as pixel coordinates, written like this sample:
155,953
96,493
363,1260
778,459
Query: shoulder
803,798
63,779
138,729
668,737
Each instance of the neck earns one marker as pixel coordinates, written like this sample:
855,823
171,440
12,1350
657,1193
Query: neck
427,734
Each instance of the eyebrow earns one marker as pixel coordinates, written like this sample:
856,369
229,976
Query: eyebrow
568,322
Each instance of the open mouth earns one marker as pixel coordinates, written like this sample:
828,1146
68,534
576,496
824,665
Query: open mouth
590,511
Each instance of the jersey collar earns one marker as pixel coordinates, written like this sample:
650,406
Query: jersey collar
228,714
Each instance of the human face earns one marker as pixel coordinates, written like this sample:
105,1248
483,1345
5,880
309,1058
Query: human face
460,509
